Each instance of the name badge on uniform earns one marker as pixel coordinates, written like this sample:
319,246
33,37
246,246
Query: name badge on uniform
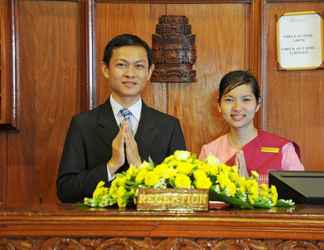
270,150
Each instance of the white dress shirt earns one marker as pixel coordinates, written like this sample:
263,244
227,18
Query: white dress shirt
135,109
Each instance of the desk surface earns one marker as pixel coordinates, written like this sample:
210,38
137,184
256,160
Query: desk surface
303,222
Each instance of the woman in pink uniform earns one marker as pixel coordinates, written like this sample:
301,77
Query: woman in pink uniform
244,145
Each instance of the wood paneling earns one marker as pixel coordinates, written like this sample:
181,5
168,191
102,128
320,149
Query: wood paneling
54,79
5,90
71,224
293,105
215,26
177,1
49,48
3,96
3,168
138,19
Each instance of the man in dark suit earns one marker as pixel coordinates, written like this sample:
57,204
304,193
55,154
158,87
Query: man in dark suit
120,132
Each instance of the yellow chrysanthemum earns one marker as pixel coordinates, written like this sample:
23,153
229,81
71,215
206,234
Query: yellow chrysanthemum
182,181
113,191
199,173
203,183
255,175
213,170
241,185
273,194
164,171
121,202
120,180
168,159
132,171
264,191
184,168
173,163
230,189
141,175
121,192
178,170
223,180
151,179
100,190
252,190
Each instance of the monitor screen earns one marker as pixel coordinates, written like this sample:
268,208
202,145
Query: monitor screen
301,186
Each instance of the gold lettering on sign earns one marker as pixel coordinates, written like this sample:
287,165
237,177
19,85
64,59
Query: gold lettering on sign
172,199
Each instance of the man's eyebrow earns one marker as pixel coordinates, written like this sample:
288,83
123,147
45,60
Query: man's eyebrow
125,60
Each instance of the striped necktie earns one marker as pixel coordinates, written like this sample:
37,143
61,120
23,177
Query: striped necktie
126,116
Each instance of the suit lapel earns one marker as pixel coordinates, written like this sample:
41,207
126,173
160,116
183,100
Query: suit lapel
146,132
107,128
106,125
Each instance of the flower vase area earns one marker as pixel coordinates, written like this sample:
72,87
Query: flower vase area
184,182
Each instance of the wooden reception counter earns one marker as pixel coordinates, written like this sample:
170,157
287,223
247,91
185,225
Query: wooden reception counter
71,227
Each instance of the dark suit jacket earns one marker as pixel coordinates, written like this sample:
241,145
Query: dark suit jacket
88,147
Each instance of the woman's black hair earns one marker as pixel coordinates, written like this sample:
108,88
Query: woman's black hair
237,78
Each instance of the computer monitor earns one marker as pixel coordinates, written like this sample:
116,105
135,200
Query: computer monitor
301,186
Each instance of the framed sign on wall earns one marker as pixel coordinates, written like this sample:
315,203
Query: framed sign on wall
300,41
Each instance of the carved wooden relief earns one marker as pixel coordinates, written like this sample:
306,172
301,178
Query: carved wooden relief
174,52
154,244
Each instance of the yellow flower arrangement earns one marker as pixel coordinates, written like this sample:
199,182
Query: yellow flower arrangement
184,170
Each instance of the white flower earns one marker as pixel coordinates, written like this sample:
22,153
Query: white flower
181,155
212,160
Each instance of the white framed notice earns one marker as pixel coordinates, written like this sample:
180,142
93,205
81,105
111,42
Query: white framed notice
300,41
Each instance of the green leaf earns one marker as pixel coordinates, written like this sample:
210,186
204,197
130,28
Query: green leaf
285,203
233,201
262,202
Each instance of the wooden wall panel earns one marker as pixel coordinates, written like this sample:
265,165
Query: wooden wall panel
3,109
195,103
222,45
3,167
49,45
139,19
5,93
294,104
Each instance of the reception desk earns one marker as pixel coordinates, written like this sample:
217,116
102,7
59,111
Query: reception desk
72,227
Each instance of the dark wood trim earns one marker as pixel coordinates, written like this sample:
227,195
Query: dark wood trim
175,1
88,56
255,45
91,47
255,31
263,67
3,169
9,117
14,63
291,1
304,222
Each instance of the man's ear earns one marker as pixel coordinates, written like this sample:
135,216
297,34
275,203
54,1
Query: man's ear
105,70
151,69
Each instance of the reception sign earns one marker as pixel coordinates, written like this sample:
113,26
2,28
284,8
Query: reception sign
300,41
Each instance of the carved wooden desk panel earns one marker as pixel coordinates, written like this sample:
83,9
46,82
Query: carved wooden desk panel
75,228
